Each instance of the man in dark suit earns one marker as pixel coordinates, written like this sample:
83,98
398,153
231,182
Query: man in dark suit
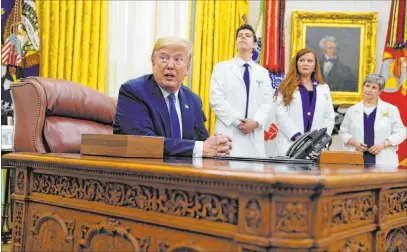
338,76
159,105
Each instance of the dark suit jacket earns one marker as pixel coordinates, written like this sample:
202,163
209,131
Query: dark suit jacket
142,110
340,78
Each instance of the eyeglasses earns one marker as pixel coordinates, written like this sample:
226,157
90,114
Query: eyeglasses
164,58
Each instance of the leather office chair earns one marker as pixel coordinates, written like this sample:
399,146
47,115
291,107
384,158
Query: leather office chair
51,114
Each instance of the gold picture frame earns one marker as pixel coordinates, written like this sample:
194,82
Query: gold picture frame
355,34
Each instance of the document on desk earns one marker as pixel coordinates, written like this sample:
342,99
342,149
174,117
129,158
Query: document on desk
279,160
122,146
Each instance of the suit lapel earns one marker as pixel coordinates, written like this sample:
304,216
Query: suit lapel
322,60
380,112
359,119
332,69
187,118
236,71
254,82
296,110
161,107
321,65
380,107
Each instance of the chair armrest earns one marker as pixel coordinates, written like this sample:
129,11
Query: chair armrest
29,101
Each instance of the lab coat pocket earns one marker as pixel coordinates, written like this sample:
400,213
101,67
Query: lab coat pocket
356,126
382,125
259,136
255,100
322,100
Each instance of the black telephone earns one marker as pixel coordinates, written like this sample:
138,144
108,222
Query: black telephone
311,141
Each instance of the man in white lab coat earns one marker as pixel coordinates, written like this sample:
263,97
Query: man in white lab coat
241,97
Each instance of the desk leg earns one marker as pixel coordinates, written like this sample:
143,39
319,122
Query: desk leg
5,229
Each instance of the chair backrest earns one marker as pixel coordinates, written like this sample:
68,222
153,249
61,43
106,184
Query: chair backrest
51,115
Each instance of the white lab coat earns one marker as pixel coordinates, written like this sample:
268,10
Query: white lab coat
387,125
290,120
228,101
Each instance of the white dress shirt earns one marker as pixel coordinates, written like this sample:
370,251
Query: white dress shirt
368,110
327,66
242,68
198,148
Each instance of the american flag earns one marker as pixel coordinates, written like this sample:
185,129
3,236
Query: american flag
11,52
276,78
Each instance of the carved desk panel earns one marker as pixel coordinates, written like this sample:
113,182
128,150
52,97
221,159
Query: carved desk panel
71,202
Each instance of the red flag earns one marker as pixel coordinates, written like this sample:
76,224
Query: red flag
273,59
394,68
396,95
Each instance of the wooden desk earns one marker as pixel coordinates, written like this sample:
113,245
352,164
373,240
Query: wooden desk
5,214
85,203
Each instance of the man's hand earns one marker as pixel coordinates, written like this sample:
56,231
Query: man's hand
376,149
218,145
247,126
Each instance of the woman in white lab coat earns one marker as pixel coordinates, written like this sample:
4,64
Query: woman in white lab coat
373,126
303,101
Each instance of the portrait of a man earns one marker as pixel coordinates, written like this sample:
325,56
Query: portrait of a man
338,50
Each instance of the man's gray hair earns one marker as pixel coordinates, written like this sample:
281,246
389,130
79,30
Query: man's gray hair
327,38
375,78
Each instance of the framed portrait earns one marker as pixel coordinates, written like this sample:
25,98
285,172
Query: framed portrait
345,44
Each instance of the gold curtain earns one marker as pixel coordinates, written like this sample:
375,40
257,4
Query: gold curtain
73,41
214,40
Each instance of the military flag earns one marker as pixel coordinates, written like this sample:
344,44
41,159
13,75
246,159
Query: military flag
394,63
270,54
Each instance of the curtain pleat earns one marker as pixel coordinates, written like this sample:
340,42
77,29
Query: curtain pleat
102,61
73,41
70,17
86,30
214,40
94,45
54,40
196,66
204,49
208,63
77,42
44,22
62,39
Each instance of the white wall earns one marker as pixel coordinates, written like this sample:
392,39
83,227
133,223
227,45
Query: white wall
380,6
134,26
254,11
